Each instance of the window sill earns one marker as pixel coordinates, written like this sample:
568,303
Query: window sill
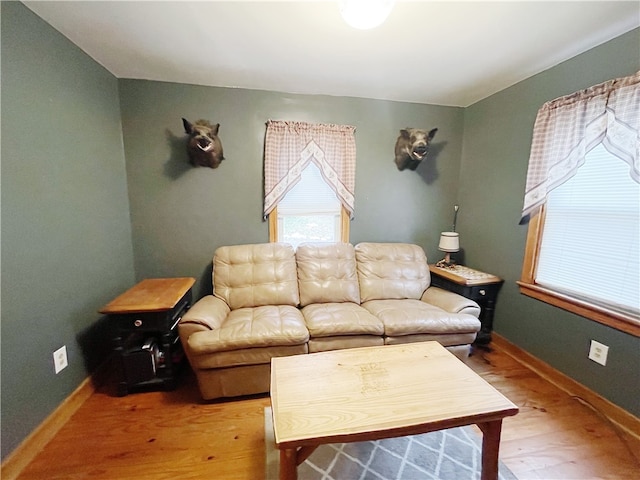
619,321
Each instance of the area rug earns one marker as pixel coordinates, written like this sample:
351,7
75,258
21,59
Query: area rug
453,454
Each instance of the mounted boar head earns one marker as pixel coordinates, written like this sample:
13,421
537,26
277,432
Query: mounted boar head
412,147
203,146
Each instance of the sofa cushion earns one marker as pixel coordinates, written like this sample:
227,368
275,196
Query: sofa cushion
391,271
266,326
330,319
444,339
327,273
256,275
341,342
246,356
408,317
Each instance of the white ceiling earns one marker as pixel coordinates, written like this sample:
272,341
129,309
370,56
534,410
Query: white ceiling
445,53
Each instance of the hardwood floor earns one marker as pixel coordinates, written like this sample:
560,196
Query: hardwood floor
176,435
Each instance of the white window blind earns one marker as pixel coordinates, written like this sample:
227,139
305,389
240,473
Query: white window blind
310,211
591,235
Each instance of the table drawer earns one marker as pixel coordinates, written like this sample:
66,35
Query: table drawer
476,292
153,321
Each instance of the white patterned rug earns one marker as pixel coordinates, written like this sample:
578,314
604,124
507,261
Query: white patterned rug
453,454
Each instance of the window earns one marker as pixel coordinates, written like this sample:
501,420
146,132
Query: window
309,181
589,243
583,201
309,212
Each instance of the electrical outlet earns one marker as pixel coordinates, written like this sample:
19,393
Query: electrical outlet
60,359
598,352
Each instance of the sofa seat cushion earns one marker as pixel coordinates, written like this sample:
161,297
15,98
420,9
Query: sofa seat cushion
341,342
445,339
408,317
331,319
266,326
245,356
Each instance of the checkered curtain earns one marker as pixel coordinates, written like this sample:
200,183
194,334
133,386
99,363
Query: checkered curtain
290,146
567,128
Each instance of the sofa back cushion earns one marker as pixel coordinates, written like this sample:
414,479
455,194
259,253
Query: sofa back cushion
256,275
391,271
327,273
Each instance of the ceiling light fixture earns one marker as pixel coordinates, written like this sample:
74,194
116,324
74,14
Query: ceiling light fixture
365,14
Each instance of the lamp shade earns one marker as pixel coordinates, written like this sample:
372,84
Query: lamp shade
365,14
449,242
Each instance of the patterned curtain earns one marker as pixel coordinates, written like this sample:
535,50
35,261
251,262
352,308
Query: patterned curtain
290,146
567,128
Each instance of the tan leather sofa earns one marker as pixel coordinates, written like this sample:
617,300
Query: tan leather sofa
270,301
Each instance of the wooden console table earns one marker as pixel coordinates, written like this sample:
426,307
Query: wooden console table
475,285
145,321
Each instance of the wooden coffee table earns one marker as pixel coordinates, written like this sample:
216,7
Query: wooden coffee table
379,392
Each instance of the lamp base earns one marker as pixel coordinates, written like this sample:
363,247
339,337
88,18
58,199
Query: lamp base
446,262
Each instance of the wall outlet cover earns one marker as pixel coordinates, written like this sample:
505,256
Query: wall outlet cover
598,352
60,359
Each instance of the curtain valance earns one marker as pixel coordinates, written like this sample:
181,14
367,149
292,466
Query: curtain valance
567,128
290,146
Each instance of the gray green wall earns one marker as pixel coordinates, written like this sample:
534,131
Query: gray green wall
66,234
497,139
181,214
80,225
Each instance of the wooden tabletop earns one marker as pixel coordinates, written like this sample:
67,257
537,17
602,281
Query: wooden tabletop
150,295
464,275
394,390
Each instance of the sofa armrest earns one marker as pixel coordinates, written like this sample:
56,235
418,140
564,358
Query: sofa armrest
208,313
450,302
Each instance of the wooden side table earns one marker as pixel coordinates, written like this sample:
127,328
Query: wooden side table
145,321
475,285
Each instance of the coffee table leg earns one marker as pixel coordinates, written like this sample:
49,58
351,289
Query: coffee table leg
291,458
288,467
490,449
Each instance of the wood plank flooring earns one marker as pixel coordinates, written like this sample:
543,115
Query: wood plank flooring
176,435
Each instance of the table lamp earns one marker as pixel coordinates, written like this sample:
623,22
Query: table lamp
449,243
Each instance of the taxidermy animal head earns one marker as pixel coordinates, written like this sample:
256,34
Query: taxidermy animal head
412,147
204,146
